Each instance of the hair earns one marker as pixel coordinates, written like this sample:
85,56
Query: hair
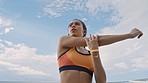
84,27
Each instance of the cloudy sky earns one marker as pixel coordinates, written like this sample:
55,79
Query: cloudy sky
30,29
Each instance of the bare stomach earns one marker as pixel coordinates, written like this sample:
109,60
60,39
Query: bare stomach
74,76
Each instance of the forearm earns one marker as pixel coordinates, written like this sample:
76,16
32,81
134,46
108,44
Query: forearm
109,39
99,72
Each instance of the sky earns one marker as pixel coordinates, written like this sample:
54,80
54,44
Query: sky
30,30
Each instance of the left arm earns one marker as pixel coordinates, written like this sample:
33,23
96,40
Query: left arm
109,39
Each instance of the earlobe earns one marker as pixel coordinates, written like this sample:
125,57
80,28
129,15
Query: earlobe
84,32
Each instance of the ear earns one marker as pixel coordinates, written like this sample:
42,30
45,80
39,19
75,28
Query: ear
84,32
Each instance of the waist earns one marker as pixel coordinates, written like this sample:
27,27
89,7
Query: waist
78,68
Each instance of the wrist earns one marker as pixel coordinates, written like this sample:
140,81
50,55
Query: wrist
129,35
95,53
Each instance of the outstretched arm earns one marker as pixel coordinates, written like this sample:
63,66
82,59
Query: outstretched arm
70,41
109,39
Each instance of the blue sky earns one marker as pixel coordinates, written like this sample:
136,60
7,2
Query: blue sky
30,29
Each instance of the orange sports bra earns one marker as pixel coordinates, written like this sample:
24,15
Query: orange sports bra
74,60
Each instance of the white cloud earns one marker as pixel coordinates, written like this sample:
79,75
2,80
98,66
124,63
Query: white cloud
140,62
8,29
96,6
22,69
93,6
129,54
58,7
21,60
121,65
84,19
18,50
6,25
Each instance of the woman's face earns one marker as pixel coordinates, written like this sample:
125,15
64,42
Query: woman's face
76,28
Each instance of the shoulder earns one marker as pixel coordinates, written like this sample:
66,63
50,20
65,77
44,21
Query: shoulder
62,39
61,48
65,37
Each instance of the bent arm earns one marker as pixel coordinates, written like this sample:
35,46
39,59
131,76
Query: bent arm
99,72
70,41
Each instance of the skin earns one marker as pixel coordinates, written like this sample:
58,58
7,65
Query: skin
76,39
99,73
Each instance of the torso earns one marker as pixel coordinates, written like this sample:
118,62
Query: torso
80,49
74,76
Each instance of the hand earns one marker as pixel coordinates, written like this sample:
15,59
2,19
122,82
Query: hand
92,42
135,32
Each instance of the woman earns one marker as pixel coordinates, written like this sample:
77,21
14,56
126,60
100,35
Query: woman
77,64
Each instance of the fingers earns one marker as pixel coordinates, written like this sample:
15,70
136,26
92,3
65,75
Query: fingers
140,33
92,37
97,37
136,33
86,40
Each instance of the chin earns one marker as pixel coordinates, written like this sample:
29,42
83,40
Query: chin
75,35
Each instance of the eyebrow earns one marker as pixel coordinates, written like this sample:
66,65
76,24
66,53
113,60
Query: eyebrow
75,22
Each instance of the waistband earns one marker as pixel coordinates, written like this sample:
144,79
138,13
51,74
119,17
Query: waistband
79,68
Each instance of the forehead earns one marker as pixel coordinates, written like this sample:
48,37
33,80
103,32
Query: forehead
75,21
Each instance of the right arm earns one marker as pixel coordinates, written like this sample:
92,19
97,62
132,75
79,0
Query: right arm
99,72
70,41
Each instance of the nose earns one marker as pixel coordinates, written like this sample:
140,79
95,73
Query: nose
73,26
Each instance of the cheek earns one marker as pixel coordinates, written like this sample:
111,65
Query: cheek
81,29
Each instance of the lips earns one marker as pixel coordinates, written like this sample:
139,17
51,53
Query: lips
73,29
